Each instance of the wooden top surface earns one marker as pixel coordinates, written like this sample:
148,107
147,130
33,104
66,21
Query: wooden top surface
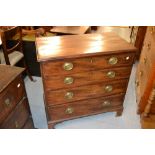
70,29
8,74
71,46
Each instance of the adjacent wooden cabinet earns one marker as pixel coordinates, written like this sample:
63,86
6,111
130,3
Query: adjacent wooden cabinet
84,74
145,80
14,108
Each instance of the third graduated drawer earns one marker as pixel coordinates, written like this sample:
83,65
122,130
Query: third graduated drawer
85,107
85,92
76,65
86,78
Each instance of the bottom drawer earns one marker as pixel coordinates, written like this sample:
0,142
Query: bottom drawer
85,107
18,117
29,124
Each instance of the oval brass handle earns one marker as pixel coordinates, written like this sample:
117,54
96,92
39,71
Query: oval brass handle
69,95
108,88
7,102
68,66
16,124
113,61
68,80
69,110
106,103
111,74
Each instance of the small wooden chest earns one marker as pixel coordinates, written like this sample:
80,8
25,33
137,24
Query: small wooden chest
14,108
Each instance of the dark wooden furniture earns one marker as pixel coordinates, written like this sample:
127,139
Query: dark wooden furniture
14,53
137,37
84,74
0,39
70,29
145,79
14,107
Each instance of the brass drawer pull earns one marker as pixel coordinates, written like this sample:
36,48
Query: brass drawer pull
69,110
7,102
16,124
69,95
68,66
111,74
113,61
108,88
106,103
68,80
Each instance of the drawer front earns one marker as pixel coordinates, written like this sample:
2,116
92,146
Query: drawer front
10,97
113,60
60,67
85,107
84,92
79,79
70,66
18,117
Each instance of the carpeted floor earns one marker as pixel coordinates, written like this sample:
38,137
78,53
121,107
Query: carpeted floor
129,119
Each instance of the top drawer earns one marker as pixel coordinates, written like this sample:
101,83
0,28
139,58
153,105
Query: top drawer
70,66
10,97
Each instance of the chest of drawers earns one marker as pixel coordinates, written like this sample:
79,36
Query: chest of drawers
14,108
84,74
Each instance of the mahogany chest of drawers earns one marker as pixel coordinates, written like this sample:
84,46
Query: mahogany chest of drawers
84,74
14,107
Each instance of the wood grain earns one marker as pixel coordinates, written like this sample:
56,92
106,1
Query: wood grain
85,107
18,117
85,78
85,92
14,93
51,68
8,74
59,47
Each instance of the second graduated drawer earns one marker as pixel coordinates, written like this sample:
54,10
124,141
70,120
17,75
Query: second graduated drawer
84,92
79,79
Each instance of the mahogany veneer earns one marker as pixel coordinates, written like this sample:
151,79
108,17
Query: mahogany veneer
84,74
14,107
